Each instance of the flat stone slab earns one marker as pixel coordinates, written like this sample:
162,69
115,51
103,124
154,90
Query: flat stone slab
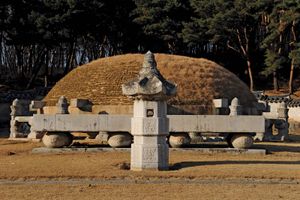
109,149
25,139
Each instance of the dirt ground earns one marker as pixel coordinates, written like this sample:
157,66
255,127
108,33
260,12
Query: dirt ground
192,175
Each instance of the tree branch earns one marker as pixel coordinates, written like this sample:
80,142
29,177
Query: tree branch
231,47
241,43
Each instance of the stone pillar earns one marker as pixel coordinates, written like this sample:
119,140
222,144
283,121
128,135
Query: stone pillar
149,124
16,110
62,105
221,106
235,107
37,107
282,124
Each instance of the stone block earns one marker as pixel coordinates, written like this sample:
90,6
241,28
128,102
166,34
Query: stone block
23,119
141,108
43,123
79,103
86,122
220,103
115,123
50,110
149,126
34,105
148,156
216,123
149,140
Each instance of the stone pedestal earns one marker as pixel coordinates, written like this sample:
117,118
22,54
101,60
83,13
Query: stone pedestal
149,124
150,128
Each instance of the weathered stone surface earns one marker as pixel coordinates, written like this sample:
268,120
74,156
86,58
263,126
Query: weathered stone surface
179,140
177,123
149,156
117,140
242,141
62,105
220,103
56,140
150,84
196,137
235,107
149,124
102,136
36,106
84,123
276,121
216,123
108,149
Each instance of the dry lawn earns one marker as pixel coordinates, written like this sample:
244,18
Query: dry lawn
193,175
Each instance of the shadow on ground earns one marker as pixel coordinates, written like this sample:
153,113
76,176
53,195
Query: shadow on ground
276,147
181,165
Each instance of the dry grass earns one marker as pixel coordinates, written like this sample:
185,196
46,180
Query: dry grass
192,175
199,81
150,191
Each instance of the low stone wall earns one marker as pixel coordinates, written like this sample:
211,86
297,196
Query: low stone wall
6,99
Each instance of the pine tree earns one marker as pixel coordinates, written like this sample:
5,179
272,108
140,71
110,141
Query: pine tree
282,40
162,21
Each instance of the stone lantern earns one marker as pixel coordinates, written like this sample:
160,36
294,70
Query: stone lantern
149,124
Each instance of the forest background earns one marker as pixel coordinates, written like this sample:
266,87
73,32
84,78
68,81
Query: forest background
42,40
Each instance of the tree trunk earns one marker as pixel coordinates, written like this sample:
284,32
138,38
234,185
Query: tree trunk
275,81
291,88
250,75
46,69
70,58
37,66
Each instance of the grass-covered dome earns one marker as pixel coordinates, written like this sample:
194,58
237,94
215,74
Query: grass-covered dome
198,81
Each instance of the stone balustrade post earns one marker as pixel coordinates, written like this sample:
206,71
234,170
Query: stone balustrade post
16,110
281,123
62,105
235,107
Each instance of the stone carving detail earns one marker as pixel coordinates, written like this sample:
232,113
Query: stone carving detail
150,126
150,84
149,154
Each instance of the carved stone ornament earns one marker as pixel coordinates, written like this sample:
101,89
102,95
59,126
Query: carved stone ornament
150,84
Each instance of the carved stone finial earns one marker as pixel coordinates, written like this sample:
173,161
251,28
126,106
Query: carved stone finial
150,84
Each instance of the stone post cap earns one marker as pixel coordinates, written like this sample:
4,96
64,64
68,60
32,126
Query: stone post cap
235,102
150,84
15,102
62,101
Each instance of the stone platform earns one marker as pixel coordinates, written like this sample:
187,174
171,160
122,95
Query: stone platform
109,149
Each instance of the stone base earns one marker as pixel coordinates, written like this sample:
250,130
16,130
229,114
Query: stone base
242,141
57,140
109,149
149,157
